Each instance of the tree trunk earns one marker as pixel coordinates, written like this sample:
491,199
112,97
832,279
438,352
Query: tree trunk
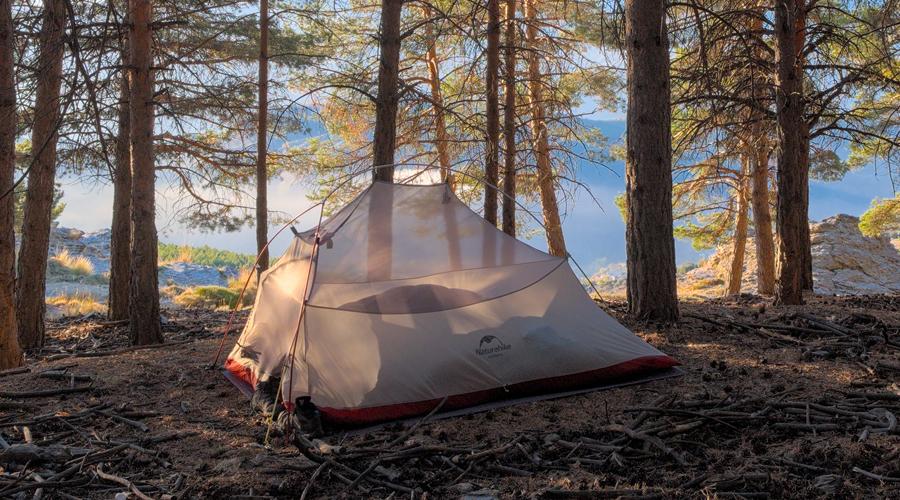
650,245
758,149
441,141
492,112
555,242
144,310
388,98
262,176
740,231
509,121
762,222
120,239
10,353
791,213
32,266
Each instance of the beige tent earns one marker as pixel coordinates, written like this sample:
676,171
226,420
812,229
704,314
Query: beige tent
412,300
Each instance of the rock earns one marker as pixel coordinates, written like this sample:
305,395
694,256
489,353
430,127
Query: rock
229,465
462,487
189,274
96,247
844,263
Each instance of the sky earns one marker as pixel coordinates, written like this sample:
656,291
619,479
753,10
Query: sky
595,235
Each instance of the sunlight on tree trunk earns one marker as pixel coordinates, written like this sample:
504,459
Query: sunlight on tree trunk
10,353
144,310
791,212
650,245
262,207
509,121
762,222
736,272
32,268
441,142
556,243
387,101
120,238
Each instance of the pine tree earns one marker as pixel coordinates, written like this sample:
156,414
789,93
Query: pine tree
32,265
385,139
120,233
793,175
144,304
552,222
262,128
509,121
492,112
650,245
10,353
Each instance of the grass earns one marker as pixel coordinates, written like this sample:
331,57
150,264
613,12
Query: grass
77,265
76,304
203,255
67,267
219,297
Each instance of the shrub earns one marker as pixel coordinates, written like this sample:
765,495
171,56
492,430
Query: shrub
76,304
203,255
237,283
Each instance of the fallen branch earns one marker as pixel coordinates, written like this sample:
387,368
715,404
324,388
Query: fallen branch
45,393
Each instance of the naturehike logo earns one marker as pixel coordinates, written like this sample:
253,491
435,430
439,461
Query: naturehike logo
491,346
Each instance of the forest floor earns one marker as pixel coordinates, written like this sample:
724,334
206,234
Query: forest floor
792,402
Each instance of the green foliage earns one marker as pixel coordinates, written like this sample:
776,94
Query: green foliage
826,165
621,203
687,267
702,236
882,218
204,255
23,152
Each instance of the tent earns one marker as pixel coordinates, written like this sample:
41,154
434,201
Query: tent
406,299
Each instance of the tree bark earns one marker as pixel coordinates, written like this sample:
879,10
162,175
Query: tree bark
556,243
762,222
32,266
740,231
441,141
791,211
120,239
650,245
509,121
492,112
262,176
10,353
387,101
144,310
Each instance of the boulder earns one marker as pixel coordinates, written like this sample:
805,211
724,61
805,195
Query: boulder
844,263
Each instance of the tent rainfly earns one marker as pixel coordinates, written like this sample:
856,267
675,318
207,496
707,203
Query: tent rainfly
406,299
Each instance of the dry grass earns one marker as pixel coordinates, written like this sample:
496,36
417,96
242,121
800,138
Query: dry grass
218,297
77,265
246,275
76,304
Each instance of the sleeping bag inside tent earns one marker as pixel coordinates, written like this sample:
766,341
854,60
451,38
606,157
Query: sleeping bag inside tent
405,299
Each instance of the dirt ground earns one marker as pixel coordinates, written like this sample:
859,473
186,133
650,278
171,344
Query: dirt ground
789,413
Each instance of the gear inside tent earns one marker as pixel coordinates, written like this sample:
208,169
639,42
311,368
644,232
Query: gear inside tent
406,299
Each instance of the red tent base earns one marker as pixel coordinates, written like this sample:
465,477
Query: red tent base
633,371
